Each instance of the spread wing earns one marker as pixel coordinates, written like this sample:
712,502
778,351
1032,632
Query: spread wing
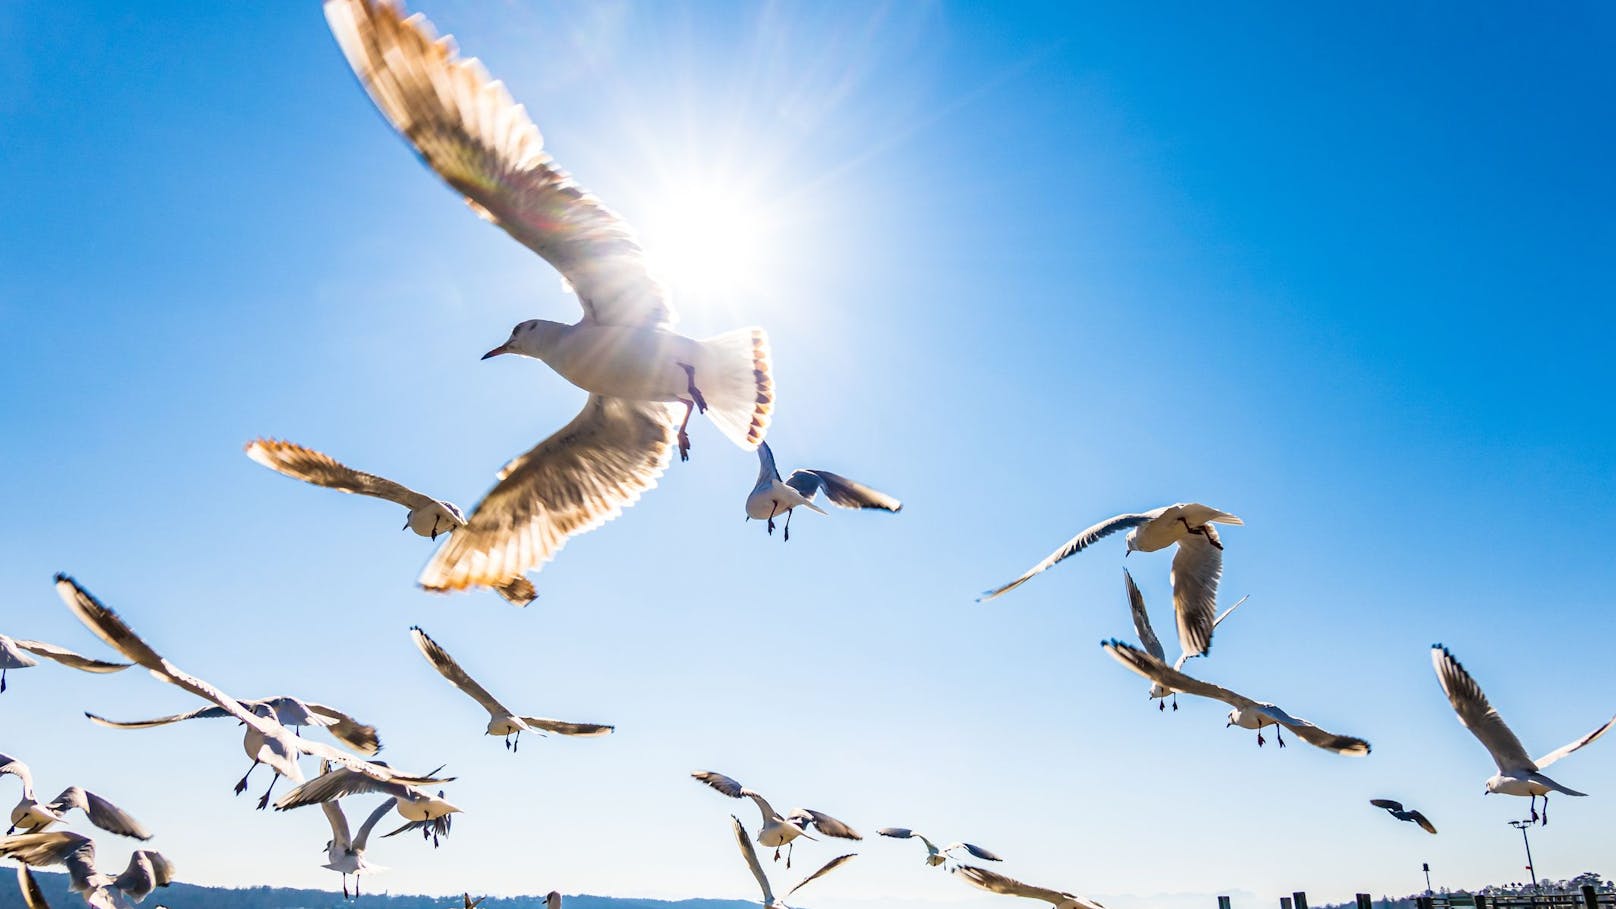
1313,735
1196,568
1388,804
102,813
826,824
340,835
376,814
1420,819
1476,715
32,896
1141,619
41,850
828,867
767,472
211,713
115,632
356,735
449,669
467,129
146,872
727,785
750,854
69,658
16,768
977,851
571,483
1152,668
1083,540
338,784
518,591
840,490
583,730
311,466
900,833
1564,750
994,882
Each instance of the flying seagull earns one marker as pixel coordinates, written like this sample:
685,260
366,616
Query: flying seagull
474,903
936,855
1153,645
623,351
1247,713
770,901
993,882
1197,565
281,746
345,852
501,721
1396,810
772,497
147,870
1518,773
421,809
33,816
288,711
778,830
14,654
428,517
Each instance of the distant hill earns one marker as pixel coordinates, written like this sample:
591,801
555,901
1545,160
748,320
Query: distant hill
190,896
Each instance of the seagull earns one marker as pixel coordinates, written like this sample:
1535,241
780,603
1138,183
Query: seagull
474,903
994,882
423,810
500,719
147,870
623,351
936,856
14,654
32,896
1396,810
1197,565
33,816
1518,774
428,517
778,831
281,746
288,711
771,497
1247,713
1147,637
770,901
344,852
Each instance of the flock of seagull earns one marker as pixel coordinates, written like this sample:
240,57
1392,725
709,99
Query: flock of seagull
645,381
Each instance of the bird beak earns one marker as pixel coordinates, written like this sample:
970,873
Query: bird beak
1127,552
501,349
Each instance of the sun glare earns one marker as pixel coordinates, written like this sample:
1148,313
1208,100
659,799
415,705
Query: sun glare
708,241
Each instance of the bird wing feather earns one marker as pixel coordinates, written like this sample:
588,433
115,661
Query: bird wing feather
1566,749
1141,619
449,669
1085,538
827,868
310,466
70,658
1477,715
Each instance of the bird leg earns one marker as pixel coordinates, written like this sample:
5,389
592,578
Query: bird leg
1260,739
789,846
356,886
1202,530
345,885
1545,809
507,741
788,524
242,786
684,437
1175,700
777,848
264,802
2,681
516,742
1280,736
773,506
1533,803
695,393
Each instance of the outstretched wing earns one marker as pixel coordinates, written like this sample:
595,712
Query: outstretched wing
376,814
449,669
826,824
146,872
69,658
32,896
584,730
311,466
1082,541
1388,804
571,483
993,882
1564,750
1349,745
977,851
1420,819
1476,714
102,813
356,735
1155,670
750,854
1197,566
201,713
1141,619
828,867
840,490
467,128
900,833
60,847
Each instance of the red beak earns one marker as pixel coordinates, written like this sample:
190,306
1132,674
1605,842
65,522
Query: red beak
501,349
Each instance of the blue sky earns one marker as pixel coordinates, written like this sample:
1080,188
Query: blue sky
1343,272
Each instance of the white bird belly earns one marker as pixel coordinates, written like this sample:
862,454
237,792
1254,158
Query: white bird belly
776,834
1521,786
634,363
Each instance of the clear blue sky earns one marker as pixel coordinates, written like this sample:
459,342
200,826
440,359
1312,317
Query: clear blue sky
1346,273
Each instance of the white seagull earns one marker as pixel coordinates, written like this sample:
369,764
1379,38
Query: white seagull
147,870
15,654
1518,773
422,810
288,711
33,816
281,746
428,517
937,855
772,497
1153,644
993,882
778,830
623,351
345,852
501,721
770,901
1396,810
1197,565
1247,713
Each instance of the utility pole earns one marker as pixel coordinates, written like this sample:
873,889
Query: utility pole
1427,868
1521,826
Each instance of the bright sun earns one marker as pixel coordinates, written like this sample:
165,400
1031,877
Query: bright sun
708,241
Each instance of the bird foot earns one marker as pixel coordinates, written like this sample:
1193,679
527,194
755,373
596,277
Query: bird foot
241,786
263,802
684,445
695,393
1175,703
1161,705
1260,740
1280,739
771,527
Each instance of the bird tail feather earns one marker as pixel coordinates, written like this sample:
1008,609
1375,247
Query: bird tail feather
736,378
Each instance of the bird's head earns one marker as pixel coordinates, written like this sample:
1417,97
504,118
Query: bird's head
1234,717
532,338
1493,783
1132,542
1157,692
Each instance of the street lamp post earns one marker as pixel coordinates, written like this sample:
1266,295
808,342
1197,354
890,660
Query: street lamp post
1427,868
1521,826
